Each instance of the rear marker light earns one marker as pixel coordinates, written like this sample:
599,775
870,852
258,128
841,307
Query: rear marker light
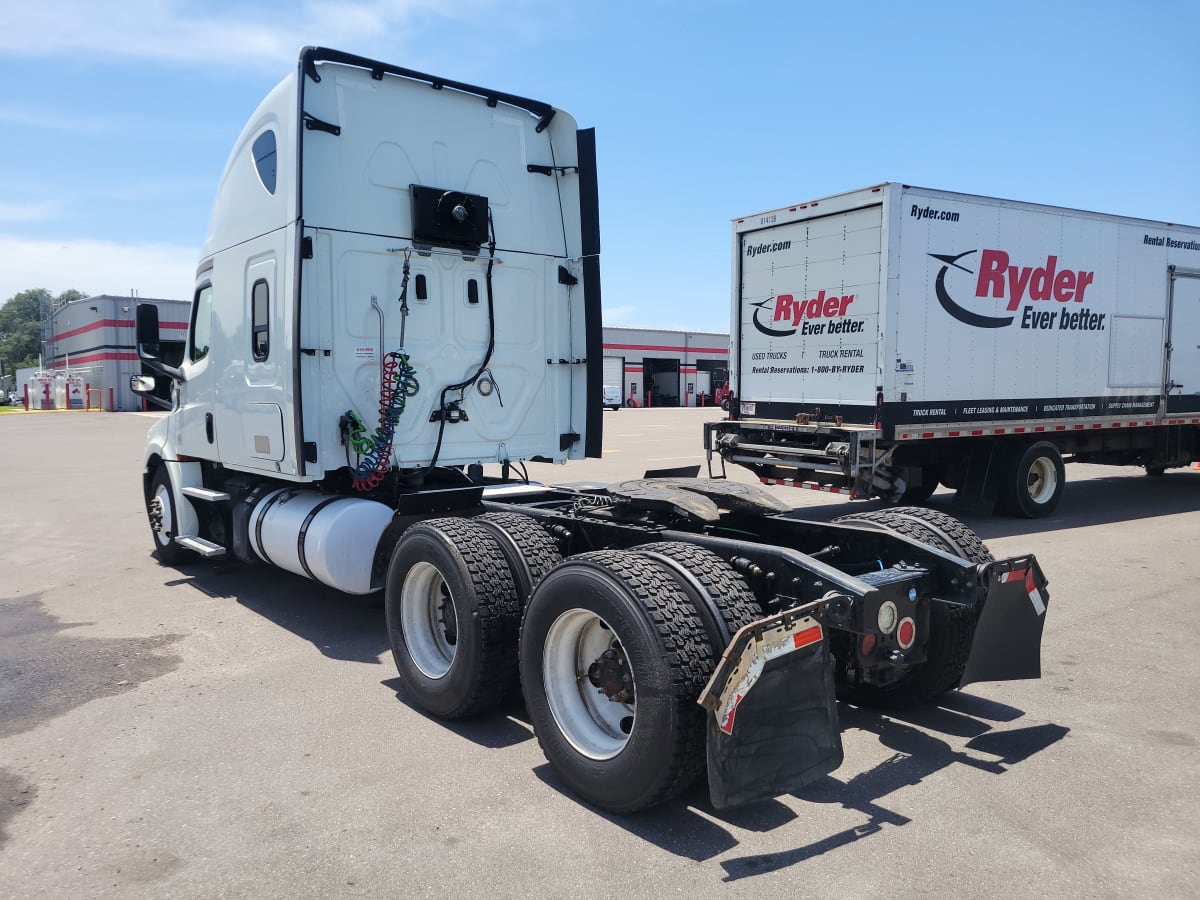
906,633
867,644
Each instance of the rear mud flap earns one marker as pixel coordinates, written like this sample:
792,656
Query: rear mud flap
1008,639
773,723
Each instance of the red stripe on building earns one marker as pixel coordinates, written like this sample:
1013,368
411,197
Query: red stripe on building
117,323
97,357
721,350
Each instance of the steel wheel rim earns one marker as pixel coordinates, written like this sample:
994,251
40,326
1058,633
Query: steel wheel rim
166,525
594,725
1043,480
423,599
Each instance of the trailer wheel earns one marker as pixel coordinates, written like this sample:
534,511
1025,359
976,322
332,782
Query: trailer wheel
529,550
720,597
931,475
453,616
164,522
1034,481
725,404
613,658
951,628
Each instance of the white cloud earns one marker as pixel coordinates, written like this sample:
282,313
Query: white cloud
97,267
28,212
248,35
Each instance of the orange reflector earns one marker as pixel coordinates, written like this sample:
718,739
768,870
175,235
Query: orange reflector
806,637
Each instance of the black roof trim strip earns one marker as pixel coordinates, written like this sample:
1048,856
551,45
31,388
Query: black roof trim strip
309,57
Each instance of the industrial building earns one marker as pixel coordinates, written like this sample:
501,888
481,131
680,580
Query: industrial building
90,353
654,367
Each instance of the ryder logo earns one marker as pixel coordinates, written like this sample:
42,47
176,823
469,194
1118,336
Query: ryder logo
802,315
998,279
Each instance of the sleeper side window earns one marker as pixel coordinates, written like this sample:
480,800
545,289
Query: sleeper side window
260,328
265,159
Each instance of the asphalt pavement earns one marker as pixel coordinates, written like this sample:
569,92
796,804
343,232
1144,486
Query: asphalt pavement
214,730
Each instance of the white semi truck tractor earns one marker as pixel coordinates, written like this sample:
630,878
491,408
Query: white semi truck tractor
401,287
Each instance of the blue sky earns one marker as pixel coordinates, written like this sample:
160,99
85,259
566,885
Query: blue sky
117,118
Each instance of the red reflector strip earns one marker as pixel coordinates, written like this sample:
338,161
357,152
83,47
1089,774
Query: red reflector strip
926,434
810,485
806,637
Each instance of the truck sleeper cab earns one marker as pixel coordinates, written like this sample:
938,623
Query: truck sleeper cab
401,286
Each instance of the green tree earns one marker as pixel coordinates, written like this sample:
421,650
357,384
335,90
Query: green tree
21,325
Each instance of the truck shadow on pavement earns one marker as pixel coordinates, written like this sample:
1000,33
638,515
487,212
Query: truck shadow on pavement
961,730
692,829
1096,501
340,626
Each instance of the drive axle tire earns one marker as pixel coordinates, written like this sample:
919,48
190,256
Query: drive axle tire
1034,481
529,549
951,628
720,597
164,521
453,616
613,658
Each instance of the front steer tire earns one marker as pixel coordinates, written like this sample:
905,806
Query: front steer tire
621,618
164,519
453,615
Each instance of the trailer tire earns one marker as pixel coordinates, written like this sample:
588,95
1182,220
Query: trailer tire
720,597
164,521
930,477
951,628
626,732
1033,481
443,567
528,548
725,404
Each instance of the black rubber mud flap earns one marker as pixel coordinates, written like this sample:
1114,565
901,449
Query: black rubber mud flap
1008,638
772,724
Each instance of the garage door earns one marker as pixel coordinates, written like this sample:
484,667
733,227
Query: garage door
614,372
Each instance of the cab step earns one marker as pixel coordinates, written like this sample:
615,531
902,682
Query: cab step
199,545
206,494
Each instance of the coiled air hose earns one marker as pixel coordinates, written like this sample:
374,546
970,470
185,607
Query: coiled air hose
399,382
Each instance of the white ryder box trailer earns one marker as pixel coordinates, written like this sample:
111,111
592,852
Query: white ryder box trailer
891,338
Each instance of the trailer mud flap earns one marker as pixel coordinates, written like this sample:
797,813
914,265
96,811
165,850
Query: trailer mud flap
1008,638
773,722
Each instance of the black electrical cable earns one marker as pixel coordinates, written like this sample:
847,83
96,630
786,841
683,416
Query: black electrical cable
463,385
